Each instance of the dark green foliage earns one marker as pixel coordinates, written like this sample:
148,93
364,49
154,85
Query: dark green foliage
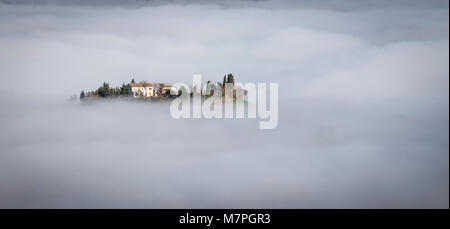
124,90
230,79
160,91
82,95
166,92
227,79
104,91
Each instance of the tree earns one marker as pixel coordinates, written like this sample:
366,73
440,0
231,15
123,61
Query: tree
230,79
132,80
124,89
161,90
82,95
104,91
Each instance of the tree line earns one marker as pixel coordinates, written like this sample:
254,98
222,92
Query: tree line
105,90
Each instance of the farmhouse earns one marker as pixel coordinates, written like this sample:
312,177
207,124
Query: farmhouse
142,89
145,89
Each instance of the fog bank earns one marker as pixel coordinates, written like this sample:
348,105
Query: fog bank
363,105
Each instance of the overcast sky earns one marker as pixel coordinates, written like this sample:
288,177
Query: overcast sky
363,97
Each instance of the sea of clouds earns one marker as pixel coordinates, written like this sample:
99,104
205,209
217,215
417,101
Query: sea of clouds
363,104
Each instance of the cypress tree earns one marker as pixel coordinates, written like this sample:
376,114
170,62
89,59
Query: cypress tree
230,78
124,89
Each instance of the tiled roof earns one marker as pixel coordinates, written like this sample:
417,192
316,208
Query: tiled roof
146,84
141,84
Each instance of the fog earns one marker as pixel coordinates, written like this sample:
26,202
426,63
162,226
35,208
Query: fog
363,104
